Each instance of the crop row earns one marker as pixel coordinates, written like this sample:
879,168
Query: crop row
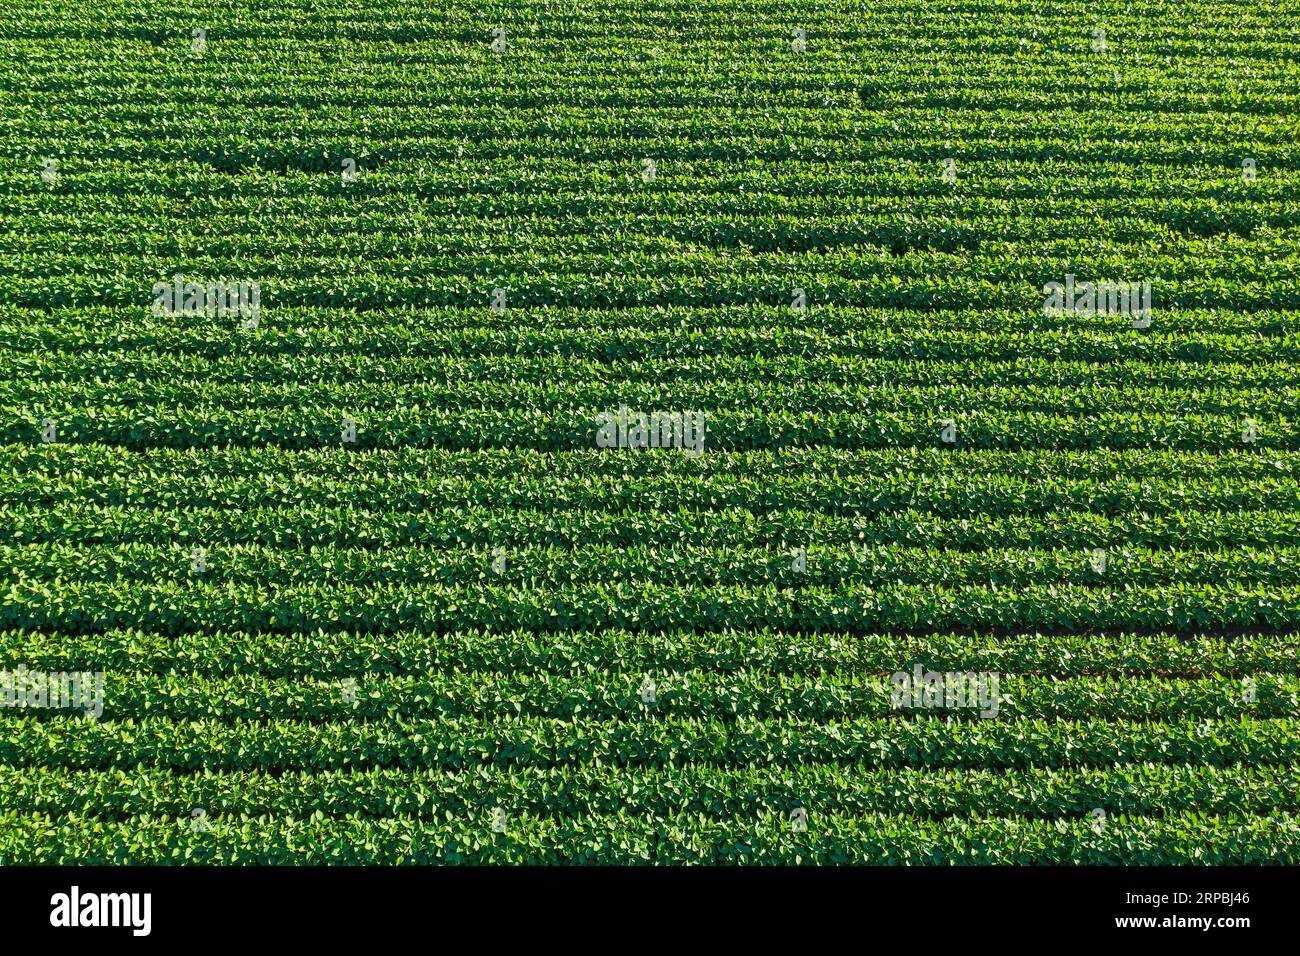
289,526
130,333
355,282
993,201
71,564
505,740
318,425
693,695
784,186
1189,837
772,343
410,485
336,654
541,379
987,139
1241,242
592,790
892,470
177,607
152,398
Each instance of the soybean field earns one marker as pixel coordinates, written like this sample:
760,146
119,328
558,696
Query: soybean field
710,432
